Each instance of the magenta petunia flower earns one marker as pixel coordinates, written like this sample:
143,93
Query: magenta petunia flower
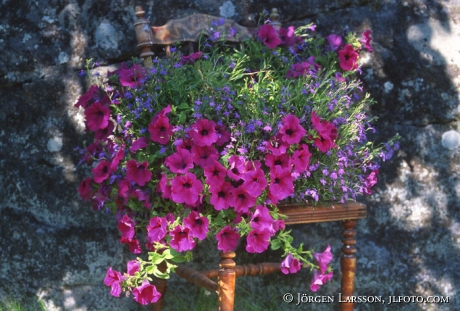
327,131
186,189
180,161
215,174
164,187
102,171
140,143
348,58
269,36
227,239
203,132
292,132
138,173
88,98
197,224
221,196
157,229
288,37
282,184
134,245
97,116
160,130
242,200
124,188
126,226
146,293
204,155
335,41
319,279
117,158
131,77
181,240
85,190
323,259
369,182
261,219
276,145
113,279
237,167
300,159
190,59
132,267
257,240
254,182
104,133
273,161
223,134
366,40
290,264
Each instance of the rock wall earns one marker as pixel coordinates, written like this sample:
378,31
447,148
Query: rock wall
57,248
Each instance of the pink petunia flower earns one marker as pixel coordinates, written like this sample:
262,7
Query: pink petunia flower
131,77
242,200
327,131
134,245
132,267
227,239
236,168
190,59
221,196
117,158
292,132
138,173
323,259
140,143
102,171
97,116
126,226
88,98
204,155
215,174
164,187
276,145
273,161
287,36
85,190
282,184
146,293
254,182
261,219
124,188
223,134
157,229
180,161
319,279
203,132
366,40
335,41
269,36
197,224
113,279
369,182
160,130
348,58
104,133
290,264
186,189
300,159
181,240
257,240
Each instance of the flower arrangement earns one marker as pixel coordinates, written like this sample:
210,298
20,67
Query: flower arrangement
207,145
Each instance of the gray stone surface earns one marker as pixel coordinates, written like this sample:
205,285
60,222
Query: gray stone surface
57,248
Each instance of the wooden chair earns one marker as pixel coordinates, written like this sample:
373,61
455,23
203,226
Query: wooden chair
188,29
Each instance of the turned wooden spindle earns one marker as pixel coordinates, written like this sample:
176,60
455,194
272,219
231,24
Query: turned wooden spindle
226,279
198,278
143,34
348,263
275,19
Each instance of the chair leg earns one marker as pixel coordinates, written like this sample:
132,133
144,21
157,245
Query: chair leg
348,264
161,285
226,280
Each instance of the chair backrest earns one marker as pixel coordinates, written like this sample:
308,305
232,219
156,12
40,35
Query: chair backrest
188,29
